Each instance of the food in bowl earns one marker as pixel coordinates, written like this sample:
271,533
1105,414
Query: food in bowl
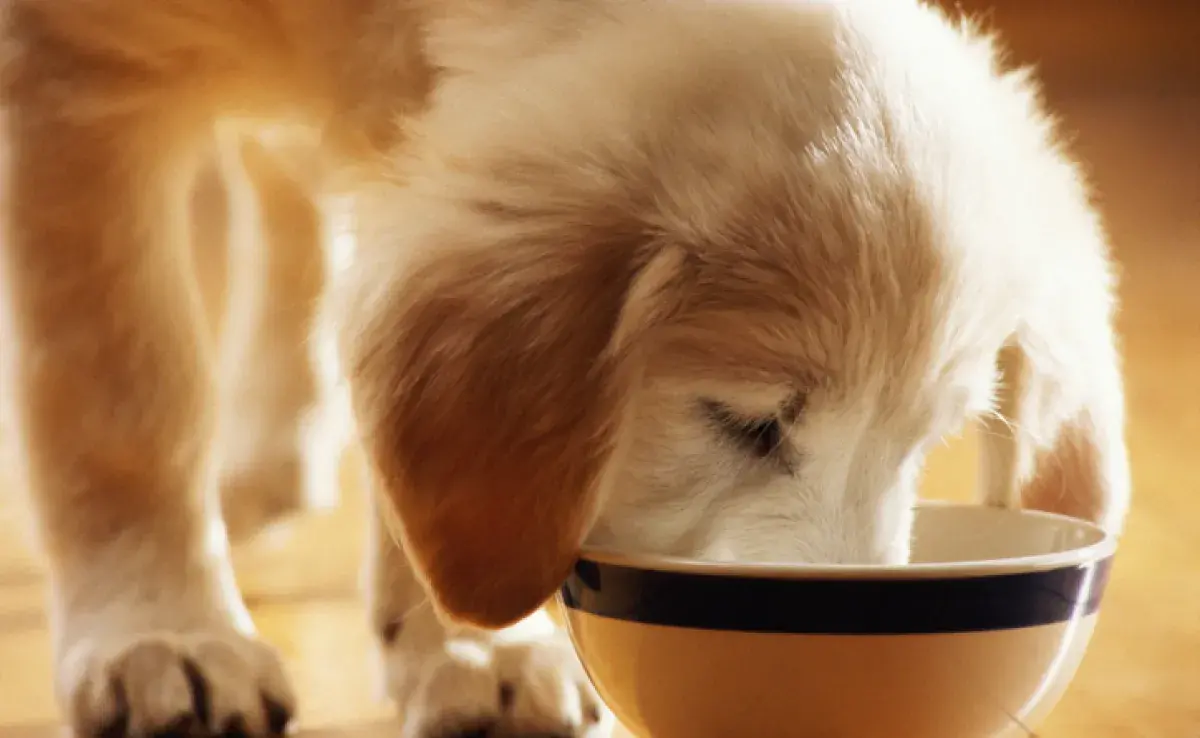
977,637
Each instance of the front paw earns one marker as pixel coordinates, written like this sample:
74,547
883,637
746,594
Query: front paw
480,689
174,684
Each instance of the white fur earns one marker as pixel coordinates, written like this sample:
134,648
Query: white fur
916,192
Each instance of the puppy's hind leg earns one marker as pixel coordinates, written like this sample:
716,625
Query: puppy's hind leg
1057,440
113,395
274,404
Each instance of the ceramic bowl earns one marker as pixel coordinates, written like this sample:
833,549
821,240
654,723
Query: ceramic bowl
978,637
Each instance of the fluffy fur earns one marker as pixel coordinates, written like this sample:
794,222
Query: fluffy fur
604,249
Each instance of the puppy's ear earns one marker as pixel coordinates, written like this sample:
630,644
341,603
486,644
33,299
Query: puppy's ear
489,393
1057,440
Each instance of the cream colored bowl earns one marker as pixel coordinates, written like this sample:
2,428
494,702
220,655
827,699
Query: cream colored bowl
978,638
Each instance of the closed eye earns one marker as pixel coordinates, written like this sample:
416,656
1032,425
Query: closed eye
760,436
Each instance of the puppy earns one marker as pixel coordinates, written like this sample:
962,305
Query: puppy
702,278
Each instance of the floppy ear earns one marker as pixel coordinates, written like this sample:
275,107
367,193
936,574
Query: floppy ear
489,394
1057,441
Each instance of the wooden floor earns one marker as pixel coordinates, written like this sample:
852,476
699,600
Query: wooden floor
1142,677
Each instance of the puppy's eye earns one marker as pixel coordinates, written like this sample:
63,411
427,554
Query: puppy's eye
761,437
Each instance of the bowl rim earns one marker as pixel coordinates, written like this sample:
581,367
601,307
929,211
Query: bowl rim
1102,548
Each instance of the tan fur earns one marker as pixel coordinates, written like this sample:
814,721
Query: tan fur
575,222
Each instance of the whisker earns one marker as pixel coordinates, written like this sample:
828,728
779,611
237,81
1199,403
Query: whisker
1029,732
995,414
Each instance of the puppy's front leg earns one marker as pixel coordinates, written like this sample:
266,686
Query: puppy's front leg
111,386
456,682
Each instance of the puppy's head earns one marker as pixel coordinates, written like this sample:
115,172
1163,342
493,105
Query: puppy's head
707,280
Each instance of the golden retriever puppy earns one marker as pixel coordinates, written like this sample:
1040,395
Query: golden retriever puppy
704,278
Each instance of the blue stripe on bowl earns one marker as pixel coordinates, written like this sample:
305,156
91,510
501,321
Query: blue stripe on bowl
836,607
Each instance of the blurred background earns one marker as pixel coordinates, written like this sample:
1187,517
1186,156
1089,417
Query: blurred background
1125,78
